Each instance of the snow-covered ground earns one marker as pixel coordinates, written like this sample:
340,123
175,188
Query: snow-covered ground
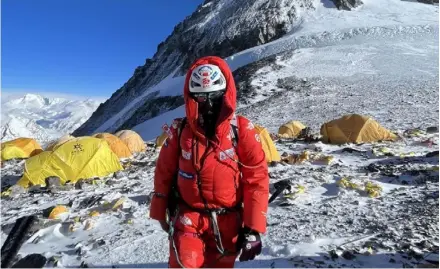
388,231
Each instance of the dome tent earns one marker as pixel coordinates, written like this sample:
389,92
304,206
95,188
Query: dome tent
269,148
58,142
82,157
116,145
291,129
354,128
132,139
20,148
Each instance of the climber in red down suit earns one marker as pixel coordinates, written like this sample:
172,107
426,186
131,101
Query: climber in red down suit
214,162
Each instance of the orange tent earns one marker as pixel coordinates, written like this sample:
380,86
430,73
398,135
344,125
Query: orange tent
116,145
132,139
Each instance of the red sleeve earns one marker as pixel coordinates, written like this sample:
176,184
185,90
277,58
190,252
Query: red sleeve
166,168
255,176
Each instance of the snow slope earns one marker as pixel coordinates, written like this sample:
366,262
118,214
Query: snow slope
42,118
322,26
168,85
220,27
394,80
332,30
152,128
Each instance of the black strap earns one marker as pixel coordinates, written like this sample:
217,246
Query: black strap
179,134
218,211
174,195
235,137
179,149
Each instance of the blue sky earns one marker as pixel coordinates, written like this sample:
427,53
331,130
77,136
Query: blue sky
82,47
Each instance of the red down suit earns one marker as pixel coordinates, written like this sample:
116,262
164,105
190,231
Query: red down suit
209,176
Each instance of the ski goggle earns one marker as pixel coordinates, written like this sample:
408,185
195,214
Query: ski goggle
202,97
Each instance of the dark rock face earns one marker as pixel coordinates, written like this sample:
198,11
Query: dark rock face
347,4
217,27
243,77
430,2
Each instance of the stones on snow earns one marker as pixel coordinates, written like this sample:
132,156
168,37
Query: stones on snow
31,261
432,130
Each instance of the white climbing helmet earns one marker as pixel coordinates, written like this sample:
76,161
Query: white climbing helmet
207,78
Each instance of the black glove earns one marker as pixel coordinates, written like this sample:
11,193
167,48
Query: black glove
250,244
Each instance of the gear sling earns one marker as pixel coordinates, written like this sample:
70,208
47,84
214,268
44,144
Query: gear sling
175,198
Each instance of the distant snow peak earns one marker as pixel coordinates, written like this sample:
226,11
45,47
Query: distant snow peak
42,118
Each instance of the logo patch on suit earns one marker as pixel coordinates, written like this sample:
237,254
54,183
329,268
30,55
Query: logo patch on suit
224,155
185,221
186,175
186,155
250,126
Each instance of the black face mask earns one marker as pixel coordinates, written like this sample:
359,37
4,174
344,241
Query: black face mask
209,105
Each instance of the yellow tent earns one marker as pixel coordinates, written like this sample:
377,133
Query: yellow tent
116,145
291,129
20,148
269,148
58,142
161,139
132,139
82,157
354,128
